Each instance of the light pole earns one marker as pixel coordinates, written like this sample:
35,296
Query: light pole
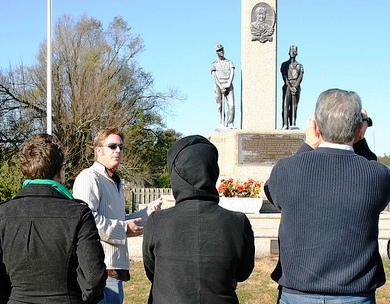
48,70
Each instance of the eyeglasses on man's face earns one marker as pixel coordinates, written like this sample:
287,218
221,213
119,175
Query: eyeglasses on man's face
113,146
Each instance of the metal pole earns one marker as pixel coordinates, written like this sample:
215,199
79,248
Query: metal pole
48,70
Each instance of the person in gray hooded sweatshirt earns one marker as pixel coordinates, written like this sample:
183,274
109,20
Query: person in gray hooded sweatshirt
196,251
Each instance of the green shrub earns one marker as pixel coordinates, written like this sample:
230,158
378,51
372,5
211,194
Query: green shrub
10,179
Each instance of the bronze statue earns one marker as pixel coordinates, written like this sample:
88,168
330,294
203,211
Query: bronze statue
292,73
222,71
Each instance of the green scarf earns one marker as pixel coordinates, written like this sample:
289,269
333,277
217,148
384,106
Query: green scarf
56,185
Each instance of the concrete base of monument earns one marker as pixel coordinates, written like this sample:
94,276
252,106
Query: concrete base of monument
247,154
265,227
224,129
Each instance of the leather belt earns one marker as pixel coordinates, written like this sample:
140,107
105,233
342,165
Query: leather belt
120,274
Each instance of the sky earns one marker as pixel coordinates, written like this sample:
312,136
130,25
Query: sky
341,44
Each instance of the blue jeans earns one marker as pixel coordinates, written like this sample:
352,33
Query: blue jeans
113,292
289,298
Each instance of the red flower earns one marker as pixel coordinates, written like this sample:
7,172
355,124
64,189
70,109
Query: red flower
229,188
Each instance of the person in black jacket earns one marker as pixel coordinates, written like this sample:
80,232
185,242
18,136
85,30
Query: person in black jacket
196,251
50,250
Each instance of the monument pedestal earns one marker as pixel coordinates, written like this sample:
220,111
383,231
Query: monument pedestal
247,154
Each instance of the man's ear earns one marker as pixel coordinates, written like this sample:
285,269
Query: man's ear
312,138
316,131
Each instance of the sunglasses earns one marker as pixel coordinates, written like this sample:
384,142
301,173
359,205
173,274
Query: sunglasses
113,146
369,121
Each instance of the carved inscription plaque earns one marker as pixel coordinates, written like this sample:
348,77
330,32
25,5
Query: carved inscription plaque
257,149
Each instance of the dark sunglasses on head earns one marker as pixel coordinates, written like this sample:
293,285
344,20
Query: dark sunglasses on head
113,146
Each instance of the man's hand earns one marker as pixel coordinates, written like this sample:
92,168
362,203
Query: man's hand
293,90
132,228
364,126
154,206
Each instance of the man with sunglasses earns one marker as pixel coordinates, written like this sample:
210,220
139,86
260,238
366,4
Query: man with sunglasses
101,188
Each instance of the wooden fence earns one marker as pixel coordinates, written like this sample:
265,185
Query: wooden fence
145,196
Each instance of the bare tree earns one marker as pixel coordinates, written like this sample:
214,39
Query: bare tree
96,82
18,115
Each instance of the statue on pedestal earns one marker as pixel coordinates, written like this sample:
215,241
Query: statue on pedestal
292,73
222,71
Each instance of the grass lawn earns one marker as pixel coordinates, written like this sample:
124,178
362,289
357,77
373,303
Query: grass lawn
259,288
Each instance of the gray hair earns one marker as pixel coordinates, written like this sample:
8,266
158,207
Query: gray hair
338,114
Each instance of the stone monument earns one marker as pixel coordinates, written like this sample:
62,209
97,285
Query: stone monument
251,152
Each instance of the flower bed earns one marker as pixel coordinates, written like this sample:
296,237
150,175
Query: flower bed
231,188
243,197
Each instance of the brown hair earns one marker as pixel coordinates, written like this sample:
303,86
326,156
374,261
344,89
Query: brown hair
41,156
103,134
